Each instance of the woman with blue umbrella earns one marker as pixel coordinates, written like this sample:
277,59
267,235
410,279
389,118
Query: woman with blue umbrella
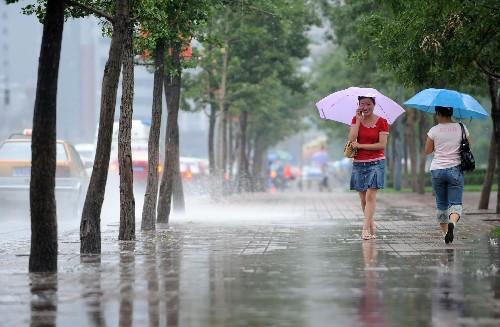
444,140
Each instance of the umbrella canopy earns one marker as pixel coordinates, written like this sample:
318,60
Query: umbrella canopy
341,106
464,105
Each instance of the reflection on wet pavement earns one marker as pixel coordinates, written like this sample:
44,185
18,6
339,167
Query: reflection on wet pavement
43,299
448,297
266,260
371,311
91,292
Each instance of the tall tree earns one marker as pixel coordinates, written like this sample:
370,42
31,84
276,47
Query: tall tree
43,253
184,21
208,88
151,195
172,93
251,42
127,201
489,177
90,224
90,227
267,45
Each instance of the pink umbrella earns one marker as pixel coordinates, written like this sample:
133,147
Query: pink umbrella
341,106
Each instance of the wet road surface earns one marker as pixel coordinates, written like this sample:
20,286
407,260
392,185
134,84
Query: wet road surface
265,260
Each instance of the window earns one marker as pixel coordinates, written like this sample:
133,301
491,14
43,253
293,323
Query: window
22,151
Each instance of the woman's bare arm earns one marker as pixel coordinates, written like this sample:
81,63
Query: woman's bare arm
429,146
353,132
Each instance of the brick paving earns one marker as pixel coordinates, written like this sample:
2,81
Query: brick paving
283,259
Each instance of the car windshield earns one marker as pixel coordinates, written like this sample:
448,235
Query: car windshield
22,151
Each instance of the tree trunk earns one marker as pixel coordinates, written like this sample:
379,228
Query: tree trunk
178,190
242,179
90,229
212,72
484,200
127,201
406,172
495,115
172,94
215,181
211,136
412,148
232,148
248,156
397,153
151,195
423,127
43,252
225,153
390,153
224,111
258,164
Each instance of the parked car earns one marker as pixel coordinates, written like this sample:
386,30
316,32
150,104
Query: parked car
15,173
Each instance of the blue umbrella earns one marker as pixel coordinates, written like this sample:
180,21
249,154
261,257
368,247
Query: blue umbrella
464,106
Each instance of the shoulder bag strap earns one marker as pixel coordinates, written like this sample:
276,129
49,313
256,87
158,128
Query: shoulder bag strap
464,136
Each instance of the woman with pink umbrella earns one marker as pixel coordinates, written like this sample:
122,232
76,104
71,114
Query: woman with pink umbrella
373,112
368,134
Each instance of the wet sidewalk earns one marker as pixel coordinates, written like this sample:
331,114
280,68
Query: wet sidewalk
269,260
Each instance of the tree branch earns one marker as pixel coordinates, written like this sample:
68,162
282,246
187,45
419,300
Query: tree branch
258,9
485,6
255,8
90,10
486,70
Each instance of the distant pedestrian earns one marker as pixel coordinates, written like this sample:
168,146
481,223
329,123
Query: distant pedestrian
447,178
368,134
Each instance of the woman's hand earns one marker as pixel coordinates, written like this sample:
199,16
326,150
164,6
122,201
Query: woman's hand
359,115
356,145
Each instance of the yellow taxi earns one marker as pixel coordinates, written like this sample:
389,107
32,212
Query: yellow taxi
15,172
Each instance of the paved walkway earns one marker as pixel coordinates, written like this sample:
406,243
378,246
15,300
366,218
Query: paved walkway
268,260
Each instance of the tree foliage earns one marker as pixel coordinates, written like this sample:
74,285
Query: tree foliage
436,42
265,41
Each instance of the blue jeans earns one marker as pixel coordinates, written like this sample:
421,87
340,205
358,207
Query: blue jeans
448,185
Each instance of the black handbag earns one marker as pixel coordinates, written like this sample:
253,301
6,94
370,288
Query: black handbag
468,163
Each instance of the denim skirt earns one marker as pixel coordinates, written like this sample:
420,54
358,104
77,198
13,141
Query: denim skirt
367,175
